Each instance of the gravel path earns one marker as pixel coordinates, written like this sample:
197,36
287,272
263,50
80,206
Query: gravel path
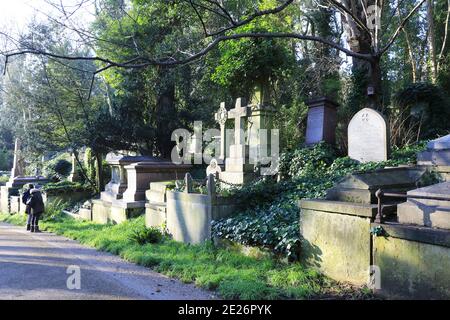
35,265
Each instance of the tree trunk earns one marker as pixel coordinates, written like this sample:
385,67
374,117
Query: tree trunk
375,86
431,42
99,172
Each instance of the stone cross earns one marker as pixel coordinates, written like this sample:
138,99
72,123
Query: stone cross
221,117
239,113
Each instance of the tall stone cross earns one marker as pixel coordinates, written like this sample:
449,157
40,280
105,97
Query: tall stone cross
239,113
222,117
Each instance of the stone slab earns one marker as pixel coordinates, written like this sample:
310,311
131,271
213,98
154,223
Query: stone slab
361,187
434,157
342,207
338,245
441,143
427,212
411,269
424,215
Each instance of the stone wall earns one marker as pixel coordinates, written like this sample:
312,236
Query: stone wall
189,215
336,244
413,262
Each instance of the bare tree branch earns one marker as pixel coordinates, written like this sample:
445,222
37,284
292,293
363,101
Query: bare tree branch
400,27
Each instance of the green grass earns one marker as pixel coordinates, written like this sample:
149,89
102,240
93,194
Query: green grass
229,272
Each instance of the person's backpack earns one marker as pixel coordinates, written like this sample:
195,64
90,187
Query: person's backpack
25,196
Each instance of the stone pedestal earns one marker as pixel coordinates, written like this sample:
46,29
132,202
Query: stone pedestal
141,174
260,123
116,187
428,213
321,123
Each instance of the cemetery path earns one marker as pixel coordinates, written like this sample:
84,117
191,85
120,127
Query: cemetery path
35,266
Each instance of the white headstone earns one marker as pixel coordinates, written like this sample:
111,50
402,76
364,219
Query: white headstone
368,136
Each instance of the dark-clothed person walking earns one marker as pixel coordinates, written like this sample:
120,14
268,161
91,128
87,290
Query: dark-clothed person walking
36,204
25,197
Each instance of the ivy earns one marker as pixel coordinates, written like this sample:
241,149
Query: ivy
269,215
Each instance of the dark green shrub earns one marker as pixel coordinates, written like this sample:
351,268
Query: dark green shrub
306,160
64,187
57,169
146,235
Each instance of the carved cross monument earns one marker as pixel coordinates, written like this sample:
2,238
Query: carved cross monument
239,114
222,117
238,170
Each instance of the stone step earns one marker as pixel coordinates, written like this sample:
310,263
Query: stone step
159,207
424,215
155,196
161,186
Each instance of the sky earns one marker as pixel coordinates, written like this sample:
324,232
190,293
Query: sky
15,14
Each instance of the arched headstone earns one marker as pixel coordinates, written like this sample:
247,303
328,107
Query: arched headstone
368,136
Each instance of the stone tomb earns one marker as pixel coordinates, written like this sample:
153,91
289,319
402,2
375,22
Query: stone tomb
124,196
437,155
368,136
321,123
428,213
336,231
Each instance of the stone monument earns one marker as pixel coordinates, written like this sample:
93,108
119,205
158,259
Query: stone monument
368,136
260,117
74,175
238,170
321,123
221,117
131,175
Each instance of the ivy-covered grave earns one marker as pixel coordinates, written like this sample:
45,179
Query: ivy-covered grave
268,212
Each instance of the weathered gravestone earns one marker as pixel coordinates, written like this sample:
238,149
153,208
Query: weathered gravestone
321,123
368,136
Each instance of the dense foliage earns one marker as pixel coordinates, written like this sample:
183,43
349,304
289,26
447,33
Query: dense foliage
269,215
